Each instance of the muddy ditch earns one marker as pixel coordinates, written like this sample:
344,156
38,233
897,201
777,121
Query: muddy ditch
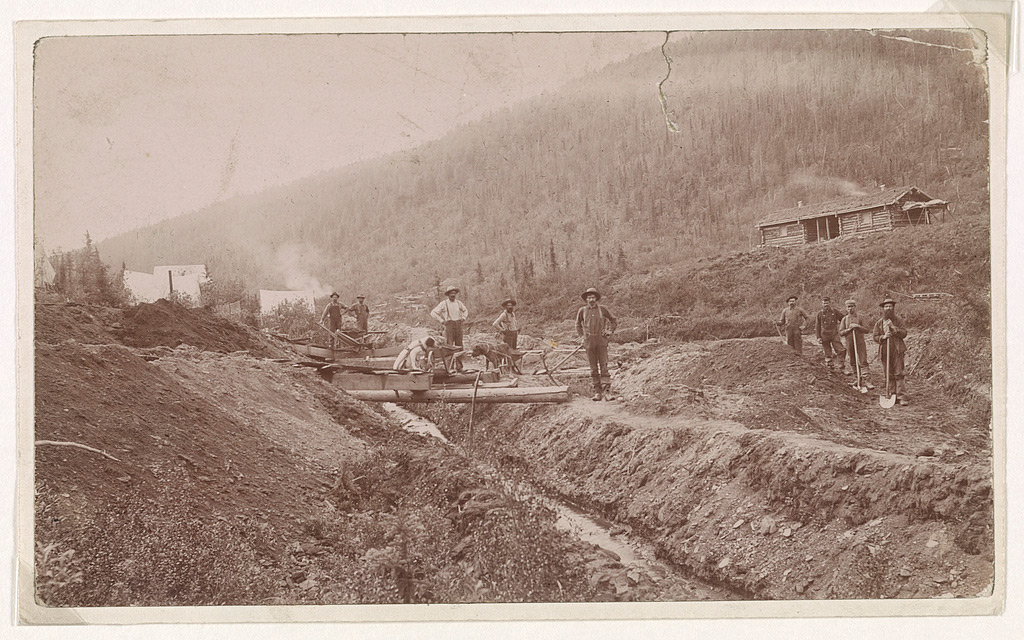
215,479
635,570
769,513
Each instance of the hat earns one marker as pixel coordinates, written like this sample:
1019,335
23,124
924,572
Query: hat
887,300
450,289
508,301
826,299
791,298
589,291
335,295
850,302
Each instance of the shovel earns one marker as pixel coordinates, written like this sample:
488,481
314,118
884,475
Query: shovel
779,331
550,370
887,401
856,359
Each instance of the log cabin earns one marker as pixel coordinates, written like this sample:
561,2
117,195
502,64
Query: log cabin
883,210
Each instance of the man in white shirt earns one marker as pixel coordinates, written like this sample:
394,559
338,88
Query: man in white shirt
418,356
451,313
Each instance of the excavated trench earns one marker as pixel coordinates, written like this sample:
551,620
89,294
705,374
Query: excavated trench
643,568
792,488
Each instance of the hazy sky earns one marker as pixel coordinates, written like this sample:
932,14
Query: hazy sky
133,129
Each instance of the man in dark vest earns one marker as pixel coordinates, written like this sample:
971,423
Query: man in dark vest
595,323
362,314
507,323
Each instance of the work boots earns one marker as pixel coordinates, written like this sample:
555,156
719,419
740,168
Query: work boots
597,395
608,395
901,393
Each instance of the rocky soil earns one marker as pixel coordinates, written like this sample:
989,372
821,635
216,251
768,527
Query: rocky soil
752,467
168,474
181,459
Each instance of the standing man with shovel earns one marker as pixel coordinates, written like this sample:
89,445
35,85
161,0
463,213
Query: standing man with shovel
595,323
852,329
889,333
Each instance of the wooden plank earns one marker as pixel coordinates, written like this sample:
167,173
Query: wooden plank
413,381
464,396
504,384
462,378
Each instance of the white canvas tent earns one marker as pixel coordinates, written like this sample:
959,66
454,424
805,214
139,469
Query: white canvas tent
145,287
185,280
42,272
183,271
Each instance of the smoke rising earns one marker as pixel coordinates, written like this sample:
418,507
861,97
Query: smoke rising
291,259
827,185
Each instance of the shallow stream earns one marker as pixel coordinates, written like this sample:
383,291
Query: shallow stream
635,555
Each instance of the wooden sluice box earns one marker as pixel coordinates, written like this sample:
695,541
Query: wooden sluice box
356,355
382,380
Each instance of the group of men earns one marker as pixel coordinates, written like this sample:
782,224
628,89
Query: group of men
839,334
833,328
594,324
453,315
333,312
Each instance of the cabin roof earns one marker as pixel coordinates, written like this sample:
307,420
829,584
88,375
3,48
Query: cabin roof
842,204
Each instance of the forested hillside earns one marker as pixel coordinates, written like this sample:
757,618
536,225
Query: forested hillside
599,178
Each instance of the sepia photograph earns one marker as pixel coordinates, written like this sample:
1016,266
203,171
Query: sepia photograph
584,316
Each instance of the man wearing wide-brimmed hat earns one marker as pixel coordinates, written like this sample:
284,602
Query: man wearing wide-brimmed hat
595,323
889,334
362,314
452,314
332,316
507,324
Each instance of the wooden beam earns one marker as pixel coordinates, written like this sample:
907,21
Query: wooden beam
464,396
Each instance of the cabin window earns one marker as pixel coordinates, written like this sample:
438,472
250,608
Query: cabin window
865,219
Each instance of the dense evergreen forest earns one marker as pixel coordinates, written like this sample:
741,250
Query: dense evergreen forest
604,177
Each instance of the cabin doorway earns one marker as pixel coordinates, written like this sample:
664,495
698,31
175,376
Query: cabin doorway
821,229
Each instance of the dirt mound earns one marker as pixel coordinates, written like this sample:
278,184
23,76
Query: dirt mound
57,322
163,323
764,384
202,478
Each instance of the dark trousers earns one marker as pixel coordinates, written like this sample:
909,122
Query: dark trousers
830,343
334,325
453,332
862,349
896,373
597,355
795,339
511,338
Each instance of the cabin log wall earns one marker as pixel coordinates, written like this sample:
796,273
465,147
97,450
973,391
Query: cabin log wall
773,235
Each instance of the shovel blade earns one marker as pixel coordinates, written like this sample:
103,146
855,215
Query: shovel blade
887,403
